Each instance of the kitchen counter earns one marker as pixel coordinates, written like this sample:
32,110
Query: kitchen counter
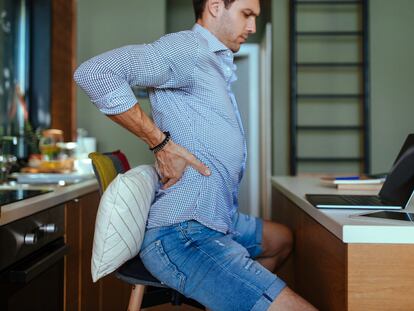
80,203
59,195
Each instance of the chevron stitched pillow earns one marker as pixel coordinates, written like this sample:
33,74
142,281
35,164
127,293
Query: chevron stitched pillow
121,219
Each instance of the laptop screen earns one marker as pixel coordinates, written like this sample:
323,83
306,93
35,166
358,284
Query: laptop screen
409,142
399,184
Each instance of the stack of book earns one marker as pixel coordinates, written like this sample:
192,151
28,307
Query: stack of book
354,182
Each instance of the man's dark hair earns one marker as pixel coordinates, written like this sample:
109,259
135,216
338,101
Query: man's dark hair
199,6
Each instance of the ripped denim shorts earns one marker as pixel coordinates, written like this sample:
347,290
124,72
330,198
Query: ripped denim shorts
216,269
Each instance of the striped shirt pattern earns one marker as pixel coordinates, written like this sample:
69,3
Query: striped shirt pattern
188,75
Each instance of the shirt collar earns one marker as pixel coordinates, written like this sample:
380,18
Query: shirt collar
214,44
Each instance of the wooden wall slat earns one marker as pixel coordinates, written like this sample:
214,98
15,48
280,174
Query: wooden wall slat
63,101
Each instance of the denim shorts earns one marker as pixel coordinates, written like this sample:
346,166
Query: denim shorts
213,268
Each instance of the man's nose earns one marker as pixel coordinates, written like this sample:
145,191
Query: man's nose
251,25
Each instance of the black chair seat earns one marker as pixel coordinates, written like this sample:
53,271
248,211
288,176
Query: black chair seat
134,272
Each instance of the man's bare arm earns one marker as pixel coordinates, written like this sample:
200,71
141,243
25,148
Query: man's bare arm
173,159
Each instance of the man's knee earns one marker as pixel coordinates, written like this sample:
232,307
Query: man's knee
277,238
289,300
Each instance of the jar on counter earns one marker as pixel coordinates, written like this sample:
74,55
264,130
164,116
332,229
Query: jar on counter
49,144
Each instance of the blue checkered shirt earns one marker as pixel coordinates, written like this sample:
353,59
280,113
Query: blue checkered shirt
188,76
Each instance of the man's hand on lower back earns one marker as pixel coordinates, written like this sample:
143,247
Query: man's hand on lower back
172,161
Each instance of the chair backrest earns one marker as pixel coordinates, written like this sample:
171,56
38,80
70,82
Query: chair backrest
107,166
122,212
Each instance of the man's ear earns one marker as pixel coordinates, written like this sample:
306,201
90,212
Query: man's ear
214,6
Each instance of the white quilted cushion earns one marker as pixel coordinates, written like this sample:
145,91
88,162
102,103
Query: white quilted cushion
121,219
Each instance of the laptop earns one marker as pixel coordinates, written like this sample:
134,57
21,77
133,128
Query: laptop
395,193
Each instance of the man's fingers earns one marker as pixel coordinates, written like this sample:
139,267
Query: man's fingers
169,183
199,166
176,162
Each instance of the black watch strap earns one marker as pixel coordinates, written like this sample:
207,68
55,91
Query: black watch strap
162,144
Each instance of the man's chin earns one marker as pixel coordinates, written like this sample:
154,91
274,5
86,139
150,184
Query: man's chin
235,48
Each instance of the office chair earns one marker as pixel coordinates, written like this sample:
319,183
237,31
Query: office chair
106,166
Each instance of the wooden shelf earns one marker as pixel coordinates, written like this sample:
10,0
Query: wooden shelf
329,127
329,33
328,64
329,159
328,2
329,96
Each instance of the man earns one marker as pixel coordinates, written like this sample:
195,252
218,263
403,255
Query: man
196,242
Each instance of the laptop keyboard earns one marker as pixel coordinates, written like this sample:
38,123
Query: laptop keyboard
346,200
360,200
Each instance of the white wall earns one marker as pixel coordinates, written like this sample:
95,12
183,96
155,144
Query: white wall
105,25
391,72
392,78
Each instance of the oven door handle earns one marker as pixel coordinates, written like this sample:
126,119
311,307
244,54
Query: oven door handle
26,274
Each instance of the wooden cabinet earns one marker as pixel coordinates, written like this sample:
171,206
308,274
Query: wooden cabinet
72,260
317,268
81,293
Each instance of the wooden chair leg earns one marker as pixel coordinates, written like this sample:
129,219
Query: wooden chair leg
135,300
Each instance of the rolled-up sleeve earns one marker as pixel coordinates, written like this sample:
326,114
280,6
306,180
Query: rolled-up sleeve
107,78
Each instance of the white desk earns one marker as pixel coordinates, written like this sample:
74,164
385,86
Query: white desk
338,222
344,263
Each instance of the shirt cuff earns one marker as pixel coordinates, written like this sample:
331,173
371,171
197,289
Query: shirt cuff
118,101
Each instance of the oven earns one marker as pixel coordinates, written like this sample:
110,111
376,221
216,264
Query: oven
32,252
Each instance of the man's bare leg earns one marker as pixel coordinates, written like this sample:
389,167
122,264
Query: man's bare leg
277,244
290,301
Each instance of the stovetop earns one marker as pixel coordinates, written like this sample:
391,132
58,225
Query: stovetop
10,196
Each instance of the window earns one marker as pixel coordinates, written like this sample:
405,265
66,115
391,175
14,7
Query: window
24,68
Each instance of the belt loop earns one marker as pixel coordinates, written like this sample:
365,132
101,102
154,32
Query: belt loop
183,225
